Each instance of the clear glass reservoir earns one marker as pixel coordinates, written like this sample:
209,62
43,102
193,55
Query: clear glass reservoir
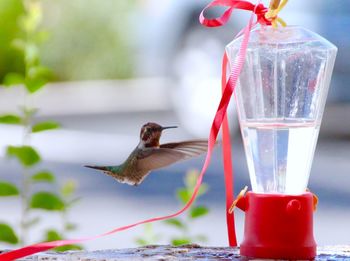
280,98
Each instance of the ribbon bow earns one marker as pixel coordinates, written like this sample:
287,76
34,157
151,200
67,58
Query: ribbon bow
264,15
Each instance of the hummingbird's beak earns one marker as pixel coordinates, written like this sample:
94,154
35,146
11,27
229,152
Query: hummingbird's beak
168,127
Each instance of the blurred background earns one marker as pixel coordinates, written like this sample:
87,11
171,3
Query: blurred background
116,65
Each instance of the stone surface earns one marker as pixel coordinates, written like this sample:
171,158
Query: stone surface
186,252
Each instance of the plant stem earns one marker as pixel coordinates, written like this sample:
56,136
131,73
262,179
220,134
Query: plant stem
25,193
64,219
25,207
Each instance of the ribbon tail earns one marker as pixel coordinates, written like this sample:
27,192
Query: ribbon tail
229,87
228,170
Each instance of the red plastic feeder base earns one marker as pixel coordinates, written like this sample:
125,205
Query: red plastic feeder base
278,226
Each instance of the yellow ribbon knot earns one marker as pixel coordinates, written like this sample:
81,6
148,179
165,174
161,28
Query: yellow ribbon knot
272,14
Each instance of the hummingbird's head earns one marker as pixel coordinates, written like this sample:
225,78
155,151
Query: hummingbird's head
150,134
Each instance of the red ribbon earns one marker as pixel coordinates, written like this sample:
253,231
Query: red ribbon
260,10
228,170
219,120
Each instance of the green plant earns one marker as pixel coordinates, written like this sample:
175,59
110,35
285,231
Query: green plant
149,237
87,41
90,41
68,200
183,223
10,58
34,78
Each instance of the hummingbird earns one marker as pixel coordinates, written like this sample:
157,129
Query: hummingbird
150,155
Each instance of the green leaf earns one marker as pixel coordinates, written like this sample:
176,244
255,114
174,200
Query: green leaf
41,37
43,176
175,222
47,201
203,189
141,242
25,154
70,226
33,85
31,54
10,119
68,188
191,178
45,125
68,247
30,22
183,195
53,235
8,189
180,241
199,211
36,77
13,79
39,72
148,229
7,234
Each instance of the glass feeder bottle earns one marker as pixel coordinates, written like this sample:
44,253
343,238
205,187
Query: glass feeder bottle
280,98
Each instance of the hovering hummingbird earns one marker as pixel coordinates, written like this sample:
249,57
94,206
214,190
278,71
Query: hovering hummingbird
150,154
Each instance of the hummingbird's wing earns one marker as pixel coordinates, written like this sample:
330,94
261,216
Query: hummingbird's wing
169,153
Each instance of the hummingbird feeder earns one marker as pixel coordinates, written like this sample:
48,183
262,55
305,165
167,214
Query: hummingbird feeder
280,97
282,76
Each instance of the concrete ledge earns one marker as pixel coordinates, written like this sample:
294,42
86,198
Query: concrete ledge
185,252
